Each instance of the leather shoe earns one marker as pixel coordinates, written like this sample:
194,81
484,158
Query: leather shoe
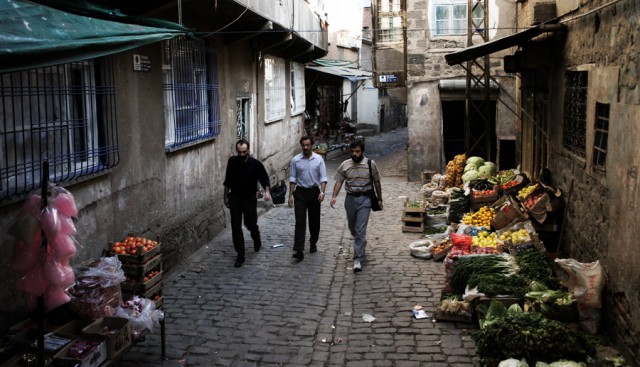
239,262
298,255
313,249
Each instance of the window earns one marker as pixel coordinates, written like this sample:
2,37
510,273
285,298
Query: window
450,17
298,103
63,114
601,132
574,130
274,89
389,21
191,92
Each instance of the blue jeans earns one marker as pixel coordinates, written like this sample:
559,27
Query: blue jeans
358,209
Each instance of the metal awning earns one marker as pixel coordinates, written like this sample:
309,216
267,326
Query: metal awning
347,73
516,39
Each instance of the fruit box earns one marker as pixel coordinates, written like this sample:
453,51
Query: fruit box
115,330
139,270
141,258
129,287
95,352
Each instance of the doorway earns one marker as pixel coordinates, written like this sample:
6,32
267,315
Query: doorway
454,132
243,118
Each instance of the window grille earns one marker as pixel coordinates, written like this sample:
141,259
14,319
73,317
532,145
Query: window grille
64,114
191,92
298,103
601,135
274,88
451,17
242,118
574,130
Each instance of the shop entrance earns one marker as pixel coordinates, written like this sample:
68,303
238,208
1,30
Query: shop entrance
455,132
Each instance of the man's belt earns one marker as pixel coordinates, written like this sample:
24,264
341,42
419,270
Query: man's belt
364,193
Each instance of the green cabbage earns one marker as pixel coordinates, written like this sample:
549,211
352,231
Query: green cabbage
470,167
476,161
470,176
487,170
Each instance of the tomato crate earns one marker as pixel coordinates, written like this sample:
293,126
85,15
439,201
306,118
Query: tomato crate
147,293
135,287
140,258
139,270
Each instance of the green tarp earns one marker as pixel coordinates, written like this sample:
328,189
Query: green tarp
33,35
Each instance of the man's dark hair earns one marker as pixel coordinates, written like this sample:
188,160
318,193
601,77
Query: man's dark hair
306,137
357,143
242,141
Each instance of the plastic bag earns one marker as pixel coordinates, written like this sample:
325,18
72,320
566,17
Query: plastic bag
107,272
142,314
278,193
585,282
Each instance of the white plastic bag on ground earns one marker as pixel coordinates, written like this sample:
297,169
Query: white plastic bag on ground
585,282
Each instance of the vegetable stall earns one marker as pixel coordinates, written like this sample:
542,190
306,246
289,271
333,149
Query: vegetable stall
488,228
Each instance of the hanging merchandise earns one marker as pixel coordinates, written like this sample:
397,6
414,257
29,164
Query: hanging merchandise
44,245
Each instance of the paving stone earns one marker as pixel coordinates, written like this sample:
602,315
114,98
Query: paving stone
273,311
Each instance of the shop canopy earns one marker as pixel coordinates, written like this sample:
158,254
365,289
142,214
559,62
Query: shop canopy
342,72
516,39
33,35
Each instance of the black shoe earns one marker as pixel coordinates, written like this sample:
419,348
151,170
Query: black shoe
257,247
313,249
239,262
299,255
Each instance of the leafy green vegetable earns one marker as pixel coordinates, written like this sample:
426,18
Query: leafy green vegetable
499,284
528,335
535,265
479,265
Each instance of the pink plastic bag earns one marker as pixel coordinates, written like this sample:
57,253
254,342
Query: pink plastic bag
25,255
54,297
33,282
65,203
50,222
62,247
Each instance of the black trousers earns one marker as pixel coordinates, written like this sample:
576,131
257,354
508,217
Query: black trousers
306,203
243,207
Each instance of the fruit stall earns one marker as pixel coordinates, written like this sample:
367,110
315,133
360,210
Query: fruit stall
500,272
90,314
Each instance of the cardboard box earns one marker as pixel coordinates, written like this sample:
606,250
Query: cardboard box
115,330
94,356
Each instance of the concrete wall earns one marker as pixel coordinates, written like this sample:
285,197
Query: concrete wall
368,106
174,195
426,66
602,214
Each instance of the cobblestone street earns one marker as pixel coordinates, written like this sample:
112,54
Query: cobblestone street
275,312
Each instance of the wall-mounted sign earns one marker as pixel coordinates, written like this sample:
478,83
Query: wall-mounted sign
388,78
141,63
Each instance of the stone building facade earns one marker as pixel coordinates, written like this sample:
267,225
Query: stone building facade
436,91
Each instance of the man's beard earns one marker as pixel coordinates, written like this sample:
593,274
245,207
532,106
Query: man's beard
357,159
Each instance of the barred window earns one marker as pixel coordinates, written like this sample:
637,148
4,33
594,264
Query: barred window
274,89
574,130
298,102
450,17
389,21
64,114
191,92
601,132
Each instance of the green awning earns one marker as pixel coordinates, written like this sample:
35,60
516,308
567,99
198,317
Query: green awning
34,35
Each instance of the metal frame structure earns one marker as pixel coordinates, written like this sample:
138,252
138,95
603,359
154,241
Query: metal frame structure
478,79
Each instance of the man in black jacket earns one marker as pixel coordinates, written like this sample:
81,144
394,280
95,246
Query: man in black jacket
241,196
